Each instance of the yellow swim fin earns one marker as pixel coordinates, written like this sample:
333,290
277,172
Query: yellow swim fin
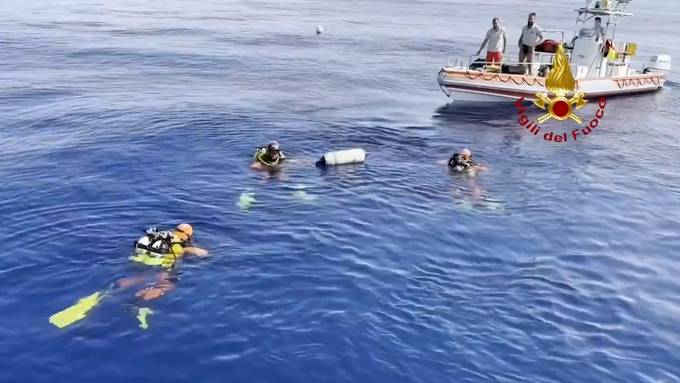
142,313
76,312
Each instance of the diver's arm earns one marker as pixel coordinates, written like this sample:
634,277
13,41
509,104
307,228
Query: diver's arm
196,251
474,165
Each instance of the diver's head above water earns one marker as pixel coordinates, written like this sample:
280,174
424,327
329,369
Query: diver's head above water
184,231
462,161
274,150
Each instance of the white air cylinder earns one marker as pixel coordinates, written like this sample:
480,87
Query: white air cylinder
341,157
144,241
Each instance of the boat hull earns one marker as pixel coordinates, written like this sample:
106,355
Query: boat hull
477,86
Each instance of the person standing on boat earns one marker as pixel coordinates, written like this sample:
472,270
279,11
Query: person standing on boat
530,37
596,32
497,41
598,29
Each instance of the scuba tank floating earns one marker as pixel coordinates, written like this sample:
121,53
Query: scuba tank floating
341,157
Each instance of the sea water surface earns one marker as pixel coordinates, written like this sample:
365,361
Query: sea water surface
561,263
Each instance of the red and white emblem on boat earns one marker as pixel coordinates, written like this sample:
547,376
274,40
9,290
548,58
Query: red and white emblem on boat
560,83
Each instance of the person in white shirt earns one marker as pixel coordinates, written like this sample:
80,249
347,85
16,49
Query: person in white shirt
496,39
530,37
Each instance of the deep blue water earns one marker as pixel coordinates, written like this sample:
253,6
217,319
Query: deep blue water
559,264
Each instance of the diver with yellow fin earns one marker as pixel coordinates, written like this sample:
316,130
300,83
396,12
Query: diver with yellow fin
156,248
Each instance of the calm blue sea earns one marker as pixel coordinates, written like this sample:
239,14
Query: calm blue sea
559,264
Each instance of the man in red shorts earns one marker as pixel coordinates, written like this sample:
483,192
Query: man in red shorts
496,39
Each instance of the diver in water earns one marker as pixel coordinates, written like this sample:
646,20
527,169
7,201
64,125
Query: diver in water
162,248
268,157
463,162
155,248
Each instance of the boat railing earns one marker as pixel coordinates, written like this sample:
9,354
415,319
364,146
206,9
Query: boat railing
462,63
490,66
561,33
458,62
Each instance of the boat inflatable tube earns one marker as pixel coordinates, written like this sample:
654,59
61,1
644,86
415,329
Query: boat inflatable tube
341,157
